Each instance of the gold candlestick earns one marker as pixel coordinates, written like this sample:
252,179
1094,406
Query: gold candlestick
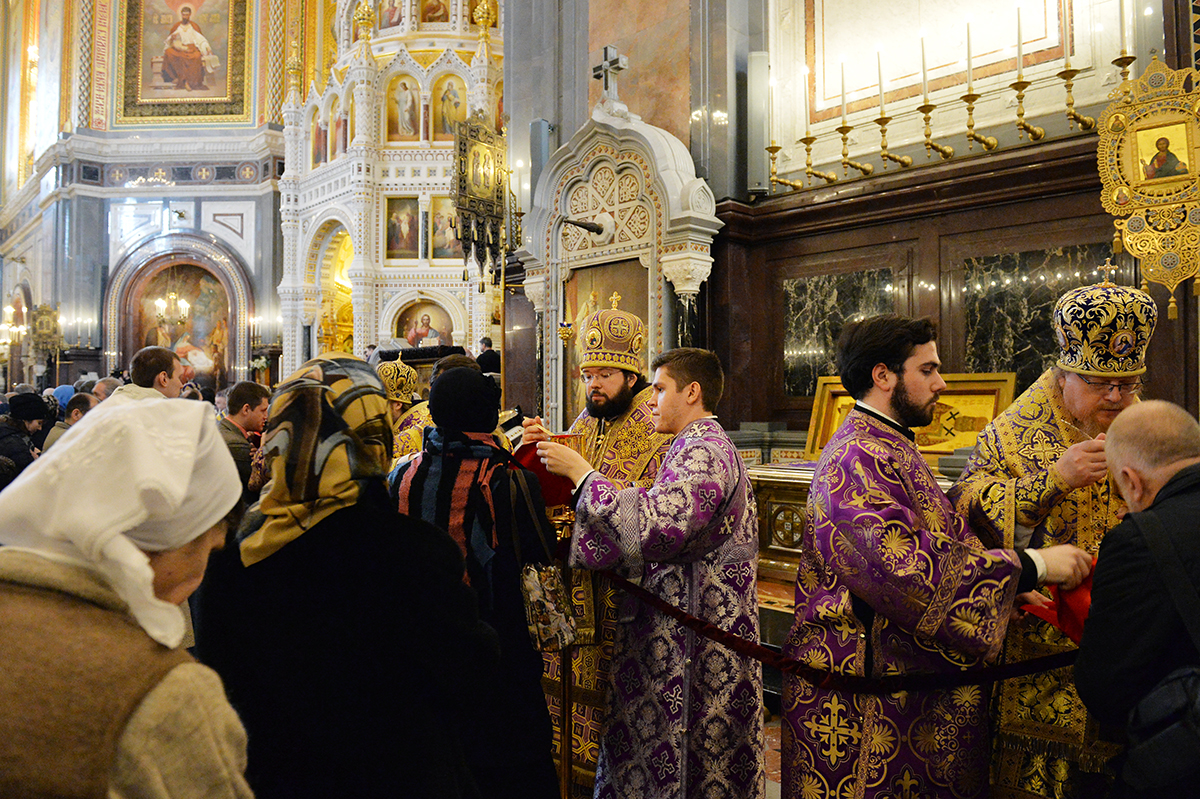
989,143
847,164
1122,63
828,177
902,160
1085,123
793,184
944,150
1023,127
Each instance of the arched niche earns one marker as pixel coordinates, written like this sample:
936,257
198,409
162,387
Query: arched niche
141,270
404,302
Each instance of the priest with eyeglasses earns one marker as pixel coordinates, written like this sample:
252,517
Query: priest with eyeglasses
1039,477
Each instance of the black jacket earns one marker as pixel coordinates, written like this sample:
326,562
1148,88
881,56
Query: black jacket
1134,636
15,443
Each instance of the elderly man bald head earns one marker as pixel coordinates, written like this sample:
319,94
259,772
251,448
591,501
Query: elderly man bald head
1146,446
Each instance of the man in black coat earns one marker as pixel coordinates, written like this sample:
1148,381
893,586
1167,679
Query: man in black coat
1134,635
26,412
488,359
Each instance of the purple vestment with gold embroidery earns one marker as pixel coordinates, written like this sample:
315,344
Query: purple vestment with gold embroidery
685,713
891,581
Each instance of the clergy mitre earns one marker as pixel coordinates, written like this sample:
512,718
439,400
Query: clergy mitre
399,379
613,338
1103,330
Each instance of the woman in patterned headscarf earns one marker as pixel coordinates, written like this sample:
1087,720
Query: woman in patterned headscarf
345,634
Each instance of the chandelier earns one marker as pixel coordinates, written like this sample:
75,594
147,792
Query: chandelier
10,334
172,309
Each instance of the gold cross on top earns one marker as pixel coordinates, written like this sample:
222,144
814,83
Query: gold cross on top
1109,269
614,299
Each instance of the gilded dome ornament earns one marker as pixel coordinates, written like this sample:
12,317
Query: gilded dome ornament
1149,162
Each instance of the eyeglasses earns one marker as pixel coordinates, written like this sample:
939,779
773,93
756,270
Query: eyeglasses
1103,389
586,378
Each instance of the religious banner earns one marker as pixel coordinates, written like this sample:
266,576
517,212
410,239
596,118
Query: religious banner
481,187
1148,156
184,58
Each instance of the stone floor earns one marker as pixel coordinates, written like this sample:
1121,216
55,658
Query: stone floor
774,758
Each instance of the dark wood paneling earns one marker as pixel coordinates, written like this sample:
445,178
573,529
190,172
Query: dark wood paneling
1030,198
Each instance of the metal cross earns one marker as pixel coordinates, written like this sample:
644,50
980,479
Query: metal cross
612,62
1109,269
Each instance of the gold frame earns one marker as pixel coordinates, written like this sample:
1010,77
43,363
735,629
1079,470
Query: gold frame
833,401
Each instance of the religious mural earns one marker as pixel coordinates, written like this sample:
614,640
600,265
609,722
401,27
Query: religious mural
338,131
1159,151
183,48
449,106
389,14
444,229
424,324
403,229
202,338
435,10
1008,303
587,291
320,152
404,109
816,308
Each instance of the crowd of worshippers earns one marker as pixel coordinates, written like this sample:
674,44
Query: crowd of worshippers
317,590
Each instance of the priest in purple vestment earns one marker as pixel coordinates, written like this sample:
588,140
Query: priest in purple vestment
685,713
892,581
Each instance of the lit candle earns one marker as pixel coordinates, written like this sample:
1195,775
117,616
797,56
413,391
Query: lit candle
771,109
1066,37
804,98
1020,46
879,63
843,94
1124,40
970,69
924,75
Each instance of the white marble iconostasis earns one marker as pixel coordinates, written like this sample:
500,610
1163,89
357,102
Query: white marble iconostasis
814,41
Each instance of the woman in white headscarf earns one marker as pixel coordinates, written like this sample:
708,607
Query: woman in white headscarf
100,541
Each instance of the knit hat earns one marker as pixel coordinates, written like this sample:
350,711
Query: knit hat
465,400
27,407
1103,330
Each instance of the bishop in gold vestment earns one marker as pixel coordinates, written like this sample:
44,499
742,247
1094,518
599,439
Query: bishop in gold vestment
1038,478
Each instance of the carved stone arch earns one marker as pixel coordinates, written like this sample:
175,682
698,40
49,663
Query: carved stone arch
383,107
159,252
402,62
322,232
451,61
398,302
345,25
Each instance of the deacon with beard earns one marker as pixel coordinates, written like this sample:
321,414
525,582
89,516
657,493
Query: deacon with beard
1039,477
892,581
618,440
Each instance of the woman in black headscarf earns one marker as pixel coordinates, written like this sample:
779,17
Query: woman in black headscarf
344,633
465,483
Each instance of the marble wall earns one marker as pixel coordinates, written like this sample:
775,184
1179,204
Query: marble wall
1008,301
815,309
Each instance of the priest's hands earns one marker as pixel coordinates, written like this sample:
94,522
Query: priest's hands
563,460
533,430
1084,463
1066,565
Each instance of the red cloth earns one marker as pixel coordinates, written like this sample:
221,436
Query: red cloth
556,490
1069,609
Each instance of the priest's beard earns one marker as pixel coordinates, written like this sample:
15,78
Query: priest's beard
907,412
600,407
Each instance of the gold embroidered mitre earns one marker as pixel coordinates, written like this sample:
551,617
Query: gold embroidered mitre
1103,330
399,379
613,338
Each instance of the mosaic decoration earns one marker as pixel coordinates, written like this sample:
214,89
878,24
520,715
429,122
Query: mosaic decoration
1148,155
816,308
1008,303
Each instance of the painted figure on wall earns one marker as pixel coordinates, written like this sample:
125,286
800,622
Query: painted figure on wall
338,129
445,236
424,324
435,11
450,107
201,339
404,111
319,137
403,232
500,120
187,55
389,14
1164,163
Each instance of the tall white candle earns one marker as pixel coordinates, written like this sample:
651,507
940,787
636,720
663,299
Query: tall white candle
1124,39
804,98
879,63
970,69
1066,37
843,94
924,74
771,109
1020,46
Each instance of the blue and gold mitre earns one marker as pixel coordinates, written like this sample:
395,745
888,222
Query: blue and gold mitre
1103,330
613,338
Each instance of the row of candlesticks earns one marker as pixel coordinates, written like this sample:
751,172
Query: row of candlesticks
257,330
77,326
926,109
